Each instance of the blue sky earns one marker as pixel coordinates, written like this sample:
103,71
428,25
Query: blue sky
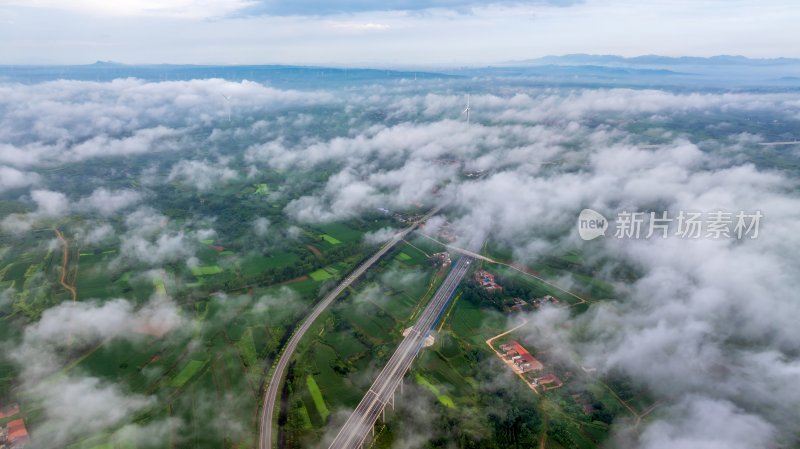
392,32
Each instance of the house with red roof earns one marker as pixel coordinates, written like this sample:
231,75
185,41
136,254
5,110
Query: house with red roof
521,358
487,281
16,433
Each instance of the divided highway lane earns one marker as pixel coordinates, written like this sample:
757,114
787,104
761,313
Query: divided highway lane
362,419
271,394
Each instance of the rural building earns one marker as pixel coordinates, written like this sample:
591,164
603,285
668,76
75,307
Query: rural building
521,358
15,435
547,299
487,281
442,259
519,305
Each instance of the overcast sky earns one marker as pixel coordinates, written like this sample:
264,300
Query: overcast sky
403,32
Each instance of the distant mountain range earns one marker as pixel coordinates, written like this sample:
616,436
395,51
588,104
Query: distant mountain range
718,72
655,60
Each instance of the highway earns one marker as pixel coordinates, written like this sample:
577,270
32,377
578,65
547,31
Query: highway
271,393
362,419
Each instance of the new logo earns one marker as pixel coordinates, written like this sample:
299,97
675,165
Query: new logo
591,224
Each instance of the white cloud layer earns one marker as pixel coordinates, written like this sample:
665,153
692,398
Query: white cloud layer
708,326
11,178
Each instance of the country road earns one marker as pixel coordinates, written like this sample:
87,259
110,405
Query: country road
65,265
273,388
381,392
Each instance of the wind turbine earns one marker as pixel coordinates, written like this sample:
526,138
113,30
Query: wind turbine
467,109
228,101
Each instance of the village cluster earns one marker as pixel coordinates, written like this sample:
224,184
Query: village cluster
488,282
529,367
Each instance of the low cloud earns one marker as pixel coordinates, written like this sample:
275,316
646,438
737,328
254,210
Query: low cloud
261,226
11,178
108,202
49,203
380,236
700,423
102,406
150,239
99,234
168,247
44,350
201,175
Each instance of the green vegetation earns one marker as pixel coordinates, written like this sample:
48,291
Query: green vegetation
161,288
262,189
320,275
206,270
316,395
443,398
340,232
331,239
247,348
187,372
256,264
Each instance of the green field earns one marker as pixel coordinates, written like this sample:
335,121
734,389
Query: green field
344,343
304,417
247,348
256,264
373,322
320,275
340,232
331,239
94,281
444,399
206,270
400,305
316,395
161,289
187,373
262,189
472,323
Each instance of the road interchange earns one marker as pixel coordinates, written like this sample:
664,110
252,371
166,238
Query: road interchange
360,422
279,371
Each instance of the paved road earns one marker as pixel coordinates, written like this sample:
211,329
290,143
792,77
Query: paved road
271,394
362,419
